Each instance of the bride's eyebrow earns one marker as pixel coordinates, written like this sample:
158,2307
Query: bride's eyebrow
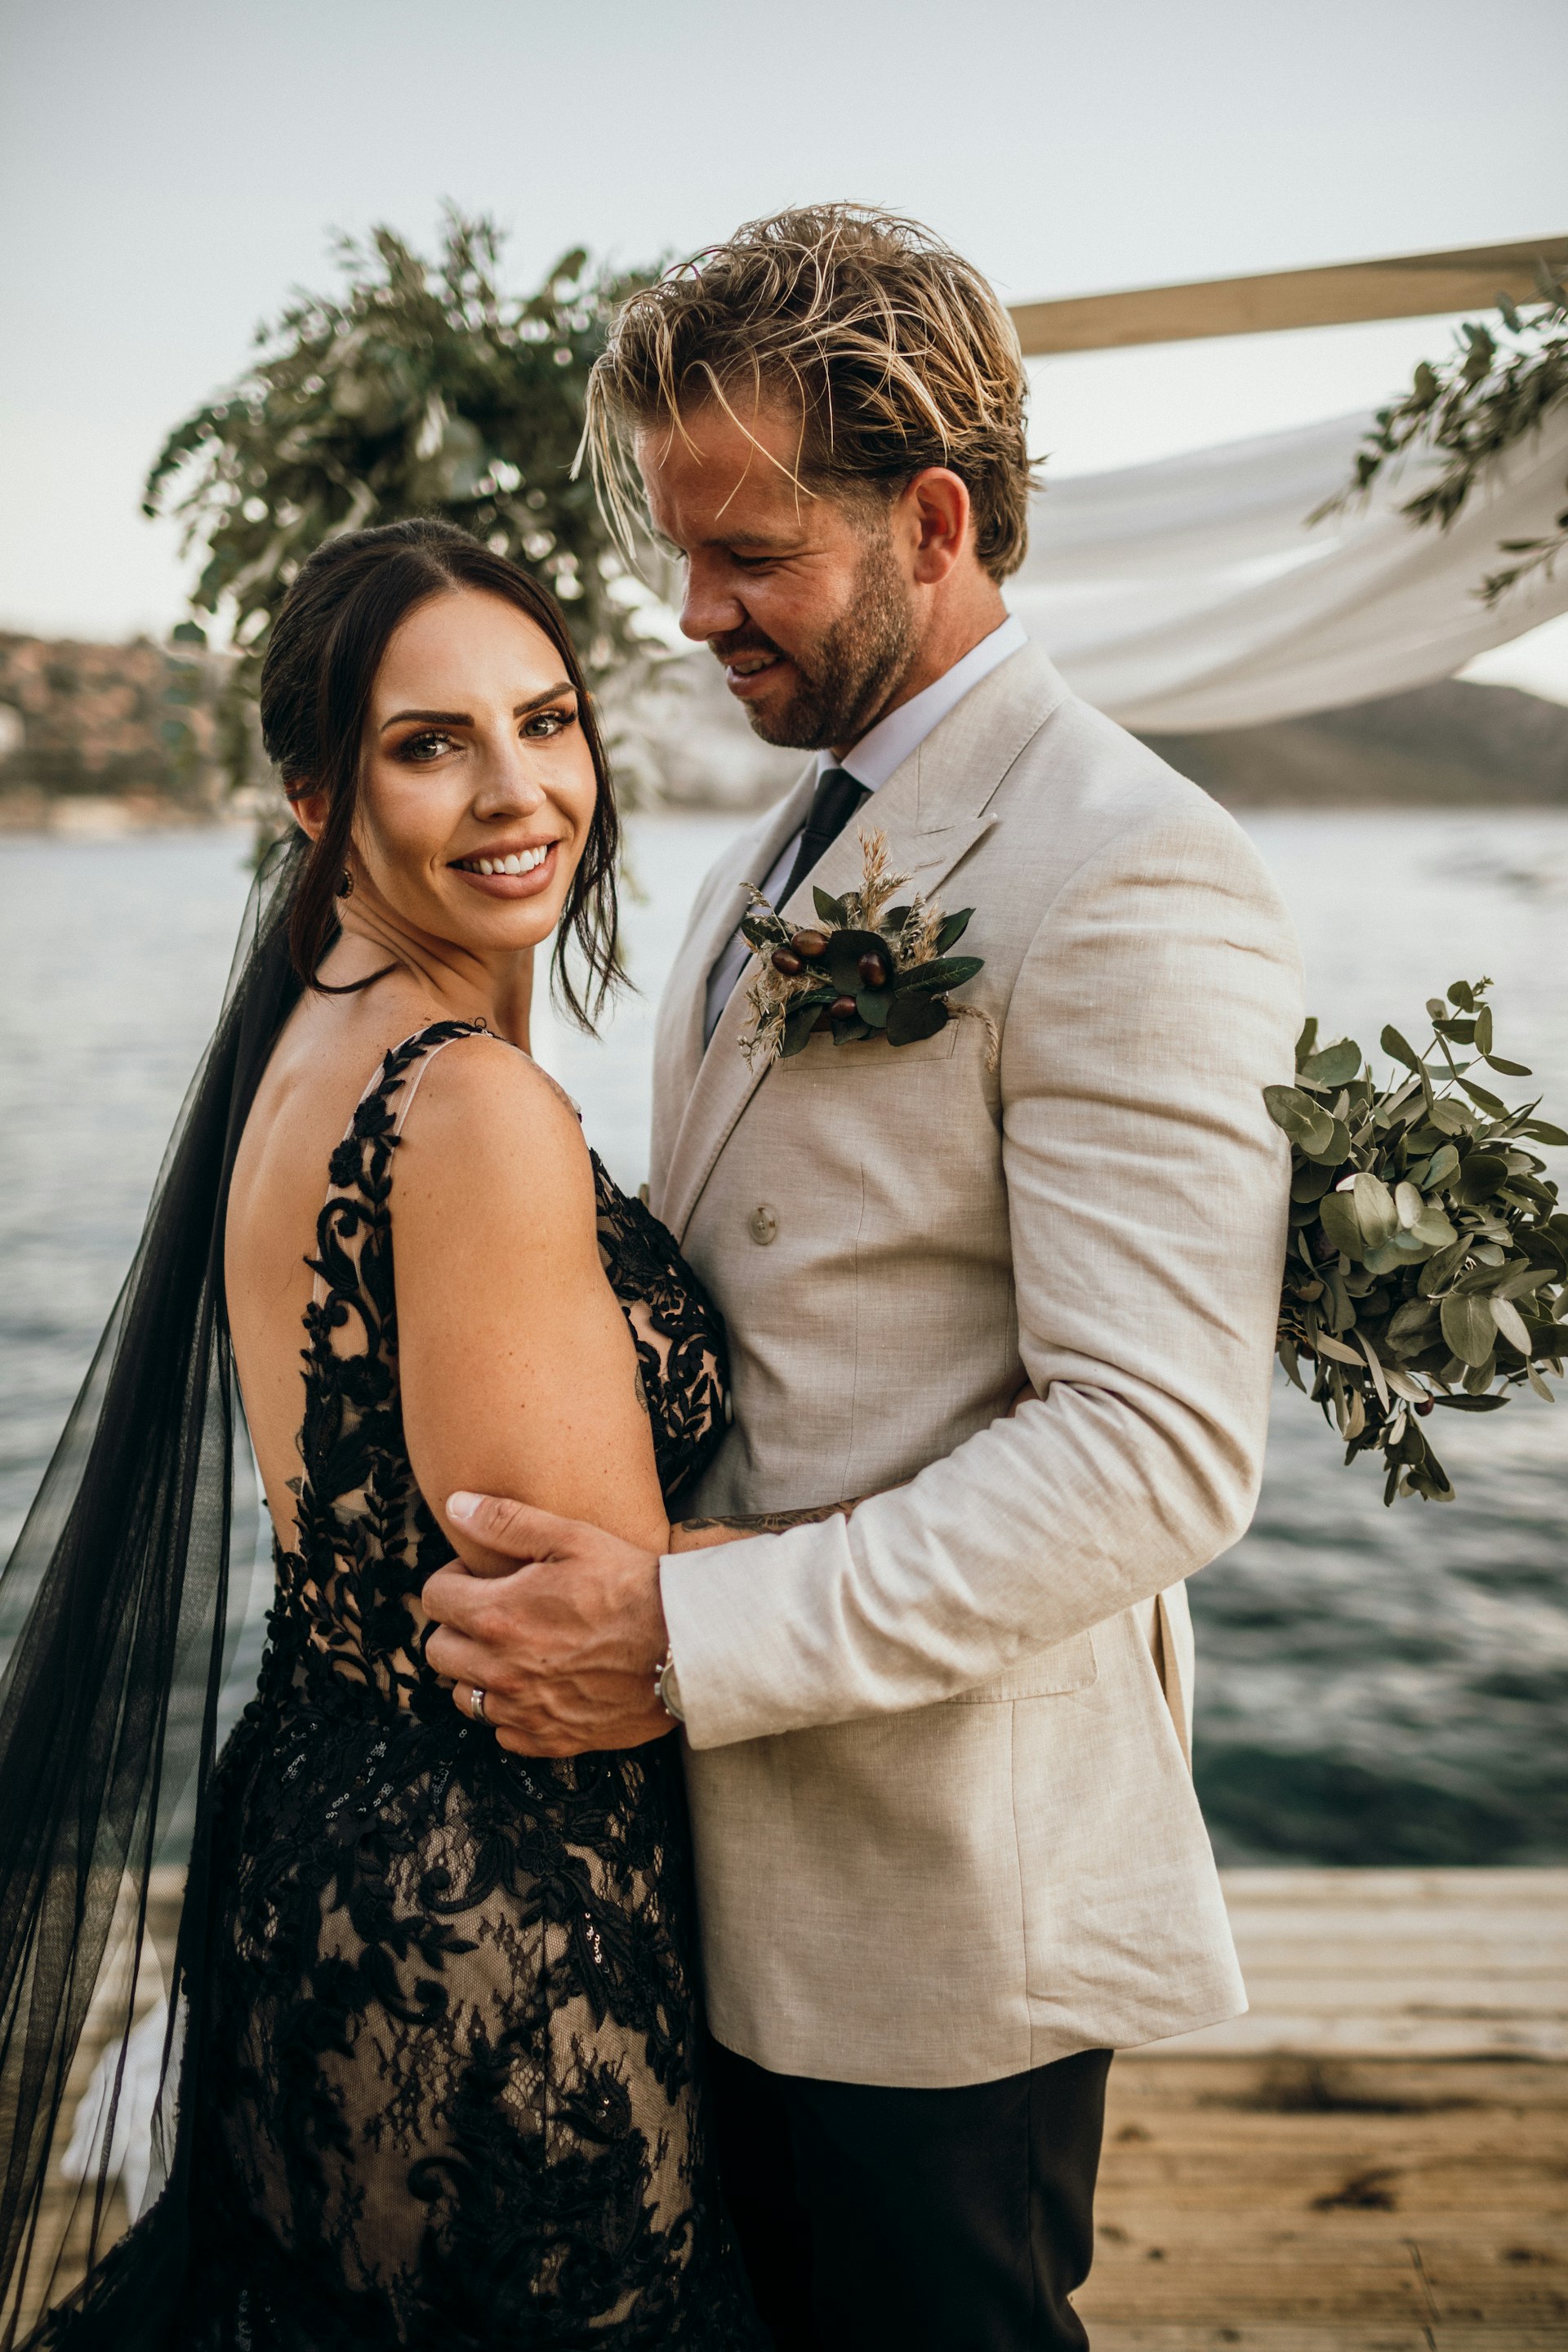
465,718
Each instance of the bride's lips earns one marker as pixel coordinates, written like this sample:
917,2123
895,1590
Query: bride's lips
527,885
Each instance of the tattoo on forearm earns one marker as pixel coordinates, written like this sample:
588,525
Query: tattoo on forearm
772,1523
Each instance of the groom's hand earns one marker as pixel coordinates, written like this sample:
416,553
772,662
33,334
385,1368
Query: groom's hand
564,1648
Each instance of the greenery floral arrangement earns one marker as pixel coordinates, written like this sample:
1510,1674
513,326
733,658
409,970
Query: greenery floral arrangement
1467,412
422,386
1427,1250
873,970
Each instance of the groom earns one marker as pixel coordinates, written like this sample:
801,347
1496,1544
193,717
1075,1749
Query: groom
949,1852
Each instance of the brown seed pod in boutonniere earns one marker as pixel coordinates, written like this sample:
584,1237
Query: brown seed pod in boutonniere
874,969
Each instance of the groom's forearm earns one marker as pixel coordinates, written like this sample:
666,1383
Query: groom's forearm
703,1534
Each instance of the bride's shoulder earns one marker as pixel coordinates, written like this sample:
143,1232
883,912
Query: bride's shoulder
487,1124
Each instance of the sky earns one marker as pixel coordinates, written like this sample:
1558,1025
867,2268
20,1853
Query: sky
170,170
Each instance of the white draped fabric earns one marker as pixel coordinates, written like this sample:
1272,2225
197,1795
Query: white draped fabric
1193,594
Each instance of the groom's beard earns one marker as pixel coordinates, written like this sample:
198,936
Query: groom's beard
847,678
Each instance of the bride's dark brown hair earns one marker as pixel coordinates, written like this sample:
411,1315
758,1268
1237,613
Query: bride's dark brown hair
322,659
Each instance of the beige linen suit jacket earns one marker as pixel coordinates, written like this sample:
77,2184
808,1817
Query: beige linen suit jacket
937,1753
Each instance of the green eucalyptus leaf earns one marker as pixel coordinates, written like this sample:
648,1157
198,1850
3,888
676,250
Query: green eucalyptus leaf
1468,1329
1307,1043
1382,1257
1509,1069
1461,993
1471,1404
1438,1169
1338,1220
851,1033
1520,1282
873,1005
1510,1323
831,910
1432,1227
1450,1117
1333,1151
892,921
1303,1121
1417,1315
1375,1213
1480,1174
1492,1103
1483,1031
1334,1066
953,930
1541,1130
1311,1181
1392,1042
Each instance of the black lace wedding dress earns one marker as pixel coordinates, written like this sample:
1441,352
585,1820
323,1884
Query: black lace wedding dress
447,2091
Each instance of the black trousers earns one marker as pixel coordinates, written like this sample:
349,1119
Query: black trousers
875,2219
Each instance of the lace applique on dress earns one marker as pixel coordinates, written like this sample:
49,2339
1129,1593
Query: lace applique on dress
447,2096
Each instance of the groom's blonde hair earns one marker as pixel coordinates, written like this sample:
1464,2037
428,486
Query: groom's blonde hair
891,348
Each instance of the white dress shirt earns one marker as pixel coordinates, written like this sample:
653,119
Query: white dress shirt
879,752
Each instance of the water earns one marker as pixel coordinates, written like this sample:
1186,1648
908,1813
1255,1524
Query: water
1374,1686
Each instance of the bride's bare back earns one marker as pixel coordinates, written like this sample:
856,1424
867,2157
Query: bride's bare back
519,1371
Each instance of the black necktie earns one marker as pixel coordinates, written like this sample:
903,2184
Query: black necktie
837,796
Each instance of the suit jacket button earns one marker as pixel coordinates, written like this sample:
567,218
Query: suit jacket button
764,1222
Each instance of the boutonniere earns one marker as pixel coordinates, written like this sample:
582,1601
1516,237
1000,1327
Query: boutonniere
868,968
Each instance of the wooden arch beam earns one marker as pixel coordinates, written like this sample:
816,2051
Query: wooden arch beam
1414,285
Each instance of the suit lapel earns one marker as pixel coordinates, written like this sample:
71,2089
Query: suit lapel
750,860
932,811
681,1053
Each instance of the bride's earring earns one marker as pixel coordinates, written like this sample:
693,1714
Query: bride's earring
345,884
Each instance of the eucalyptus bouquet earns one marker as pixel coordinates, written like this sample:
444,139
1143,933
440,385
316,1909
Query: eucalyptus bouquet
1427,1250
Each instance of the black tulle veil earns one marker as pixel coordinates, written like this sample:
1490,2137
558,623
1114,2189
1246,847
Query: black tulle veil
115,1606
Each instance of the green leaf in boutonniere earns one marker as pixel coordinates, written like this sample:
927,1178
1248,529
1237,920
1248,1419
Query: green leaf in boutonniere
912,1017
873,970
937,978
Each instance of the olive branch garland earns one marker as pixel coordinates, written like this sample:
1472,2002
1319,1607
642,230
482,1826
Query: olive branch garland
1427,1250
872,970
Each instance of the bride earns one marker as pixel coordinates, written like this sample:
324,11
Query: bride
432,2073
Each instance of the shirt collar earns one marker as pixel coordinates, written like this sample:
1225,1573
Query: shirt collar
888,744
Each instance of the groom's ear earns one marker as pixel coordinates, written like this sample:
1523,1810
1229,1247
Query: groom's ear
934,509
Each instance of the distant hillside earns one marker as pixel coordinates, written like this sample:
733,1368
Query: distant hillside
1452,745
132,725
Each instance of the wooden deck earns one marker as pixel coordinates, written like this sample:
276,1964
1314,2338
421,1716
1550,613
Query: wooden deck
1375,2158
1299,2205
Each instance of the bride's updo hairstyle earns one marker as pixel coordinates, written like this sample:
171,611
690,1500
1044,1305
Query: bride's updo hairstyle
321,660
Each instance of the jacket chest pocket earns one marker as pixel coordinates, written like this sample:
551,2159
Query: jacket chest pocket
867,1057
1069,1665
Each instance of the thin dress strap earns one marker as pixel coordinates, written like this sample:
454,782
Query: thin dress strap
402,1066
